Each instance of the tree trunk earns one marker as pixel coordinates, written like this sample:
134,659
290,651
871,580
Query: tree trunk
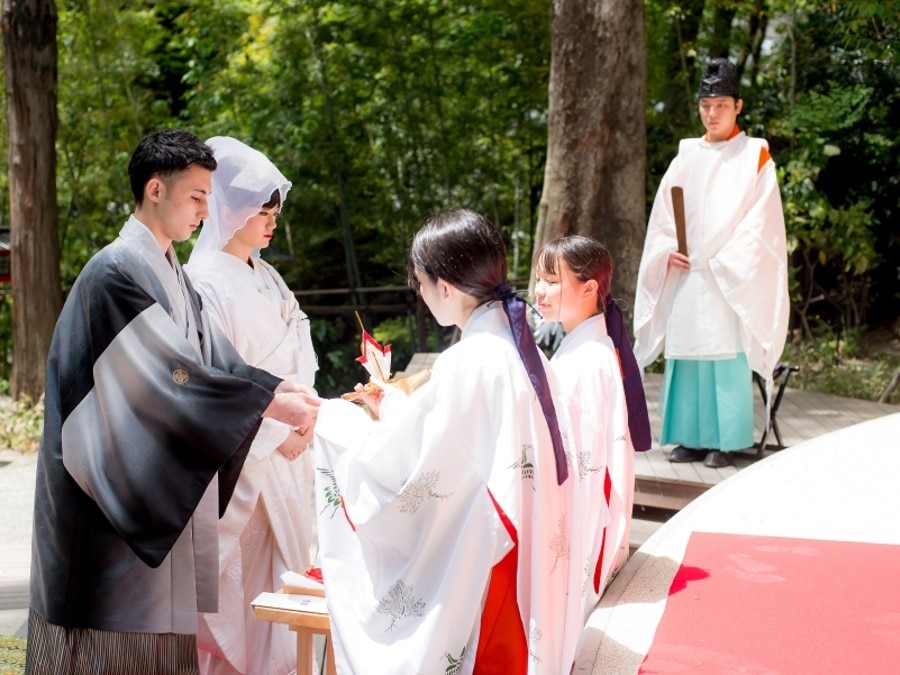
29,60
594,175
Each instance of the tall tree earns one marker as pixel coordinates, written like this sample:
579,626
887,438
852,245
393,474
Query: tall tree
29,60
594,176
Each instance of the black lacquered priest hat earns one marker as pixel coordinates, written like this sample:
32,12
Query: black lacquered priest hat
720,78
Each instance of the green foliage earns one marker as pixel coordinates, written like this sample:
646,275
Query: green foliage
383,112
835,126
21,423
338,371
107,59
12,655
836,366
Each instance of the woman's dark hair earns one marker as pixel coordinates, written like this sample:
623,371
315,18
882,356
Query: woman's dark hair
586,257
589,259
162,154
464,249
274,200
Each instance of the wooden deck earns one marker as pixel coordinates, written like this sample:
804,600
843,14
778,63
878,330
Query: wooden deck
803,415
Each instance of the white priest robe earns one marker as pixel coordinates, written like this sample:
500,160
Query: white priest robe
590,388
267,528
735,297
419,511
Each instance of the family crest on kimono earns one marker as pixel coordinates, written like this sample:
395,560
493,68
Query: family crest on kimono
445,524
149,416
719,307
600,387
268,527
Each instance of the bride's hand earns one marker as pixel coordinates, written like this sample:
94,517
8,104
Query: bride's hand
296,443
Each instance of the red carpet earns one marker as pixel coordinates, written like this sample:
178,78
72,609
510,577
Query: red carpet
776,605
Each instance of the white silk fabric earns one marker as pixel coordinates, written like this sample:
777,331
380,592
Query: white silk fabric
590,387
267,527
406,582
243,181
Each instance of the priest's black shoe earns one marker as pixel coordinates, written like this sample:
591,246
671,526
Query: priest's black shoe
683,454
716,460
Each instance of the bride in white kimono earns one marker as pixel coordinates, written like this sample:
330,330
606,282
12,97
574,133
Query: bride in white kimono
267,528
573,276
443,526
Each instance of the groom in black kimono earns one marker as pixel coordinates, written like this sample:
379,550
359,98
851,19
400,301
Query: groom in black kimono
149,414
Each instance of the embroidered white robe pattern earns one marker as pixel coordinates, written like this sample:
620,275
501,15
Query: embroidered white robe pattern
405,588
590,387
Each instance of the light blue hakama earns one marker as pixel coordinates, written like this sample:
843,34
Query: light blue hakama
708,404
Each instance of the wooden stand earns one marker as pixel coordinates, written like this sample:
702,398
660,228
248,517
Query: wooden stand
306,625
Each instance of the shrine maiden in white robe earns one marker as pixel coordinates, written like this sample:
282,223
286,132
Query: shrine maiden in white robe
735,298
417,513
267,528
590,387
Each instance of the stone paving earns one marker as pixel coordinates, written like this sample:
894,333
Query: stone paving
17,475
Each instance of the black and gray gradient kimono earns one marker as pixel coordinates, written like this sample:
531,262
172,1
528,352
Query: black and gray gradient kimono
149,414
